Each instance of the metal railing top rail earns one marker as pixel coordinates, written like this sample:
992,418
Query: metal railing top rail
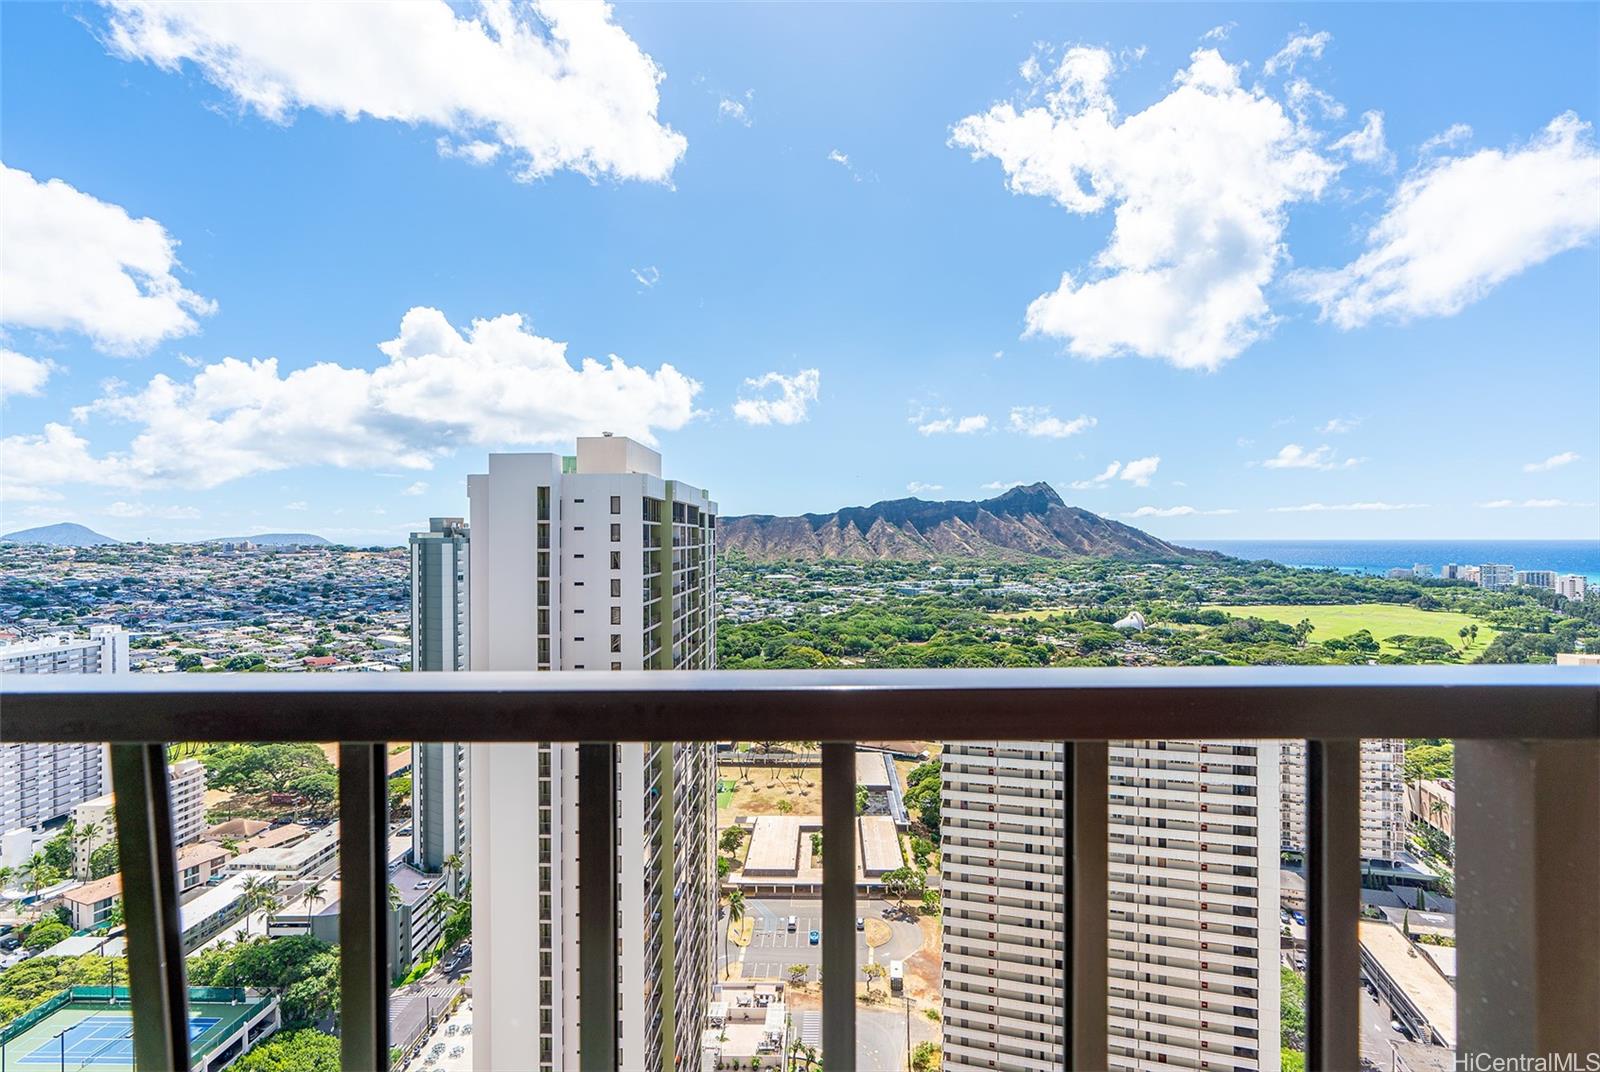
1328,702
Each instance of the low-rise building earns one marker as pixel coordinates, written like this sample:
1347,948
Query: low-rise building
92,902
293,861
197,863
1433,803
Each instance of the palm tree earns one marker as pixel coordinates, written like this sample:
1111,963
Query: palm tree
452,868
443,903
6,875
316,893
735,915
35,868
394,895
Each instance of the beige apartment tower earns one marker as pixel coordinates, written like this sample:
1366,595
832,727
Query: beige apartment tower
1192,957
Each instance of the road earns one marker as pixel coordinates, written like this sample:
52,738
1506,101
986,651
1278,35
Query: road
773,947
412,1006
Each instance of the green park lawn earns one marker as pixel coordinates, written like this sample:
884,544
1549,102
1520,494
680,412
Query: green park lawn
1382,620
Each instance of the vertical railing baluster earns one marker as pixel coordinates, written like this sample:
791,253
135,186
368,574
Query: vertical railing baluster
1527,826
1333,824
839,904
597,907
363,907
1087,900
150,906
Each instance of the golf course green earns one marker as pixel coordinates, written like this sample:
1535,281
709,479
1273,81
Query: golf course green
1382,620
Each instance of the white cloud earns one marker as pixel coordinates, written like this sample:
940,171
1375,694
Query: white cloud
22,375
1530,504
1199,183
1299,46
418,488
1003,485
1367,144
297,505
1460,226
917,487
1036,421
1176,511
647,277
1339,425
71,262
736,110
1317,508
978,422
1555,461
1294,456
1098,481
498,385
554,85
1139,471
478,153
1219,33
844,161
1455,134
1302,95
788,406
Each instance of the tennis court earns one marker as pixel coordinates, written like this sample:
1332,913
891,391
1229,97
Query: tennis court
88,1031
100,1040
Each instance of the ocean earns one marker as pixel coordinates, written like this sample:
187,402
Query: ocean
1379,556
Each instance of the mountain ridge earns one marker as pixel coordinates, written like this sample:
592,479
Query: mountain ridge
1029,520
63,534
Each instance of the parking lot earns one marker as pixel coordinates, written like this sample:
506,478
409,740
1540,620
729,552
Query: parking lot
774,947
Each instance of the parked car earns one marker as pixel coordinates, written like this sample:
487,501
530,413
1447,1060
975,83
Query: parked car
861,924
816,937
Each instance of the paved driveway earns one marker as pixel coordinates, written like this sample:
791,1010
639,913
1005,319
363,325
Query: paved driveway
774,947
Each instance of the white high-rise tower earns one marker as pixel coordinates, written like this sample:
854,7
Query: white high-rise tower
591,562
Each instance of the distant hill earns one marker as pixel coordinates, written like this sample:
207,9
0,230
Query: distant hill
66,534
276,539
1022,522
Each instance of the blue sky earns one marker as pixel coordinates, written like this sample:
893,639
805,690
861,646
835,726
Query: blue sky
1167,255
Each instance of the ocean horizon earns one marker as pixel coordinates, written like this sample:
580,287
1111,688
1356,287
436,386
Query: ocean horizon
1379,556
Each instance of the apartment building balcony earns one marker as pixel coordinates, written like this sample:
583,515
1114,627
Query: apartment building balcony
1527,825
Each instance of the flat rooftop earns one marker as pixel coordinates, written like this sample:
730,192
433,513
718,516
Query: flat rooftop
1414,974
775,845
880,844
872,771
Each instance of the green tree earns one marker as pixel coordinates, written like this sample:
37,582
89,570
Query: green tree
798,973
46,933
1292,1009
731,839
293,1051
103,861
925,1057
861,799
735,915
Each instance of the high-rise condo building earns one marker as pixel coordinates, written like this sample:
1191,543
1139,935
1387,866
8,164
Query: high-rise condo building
441,820
1536,578
42,782
1493,576
96,820
1572,585
592,562
1193,936
1383,798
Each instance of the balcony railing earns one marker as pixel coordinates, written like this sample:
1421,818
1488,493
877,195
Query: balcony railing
1528,821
